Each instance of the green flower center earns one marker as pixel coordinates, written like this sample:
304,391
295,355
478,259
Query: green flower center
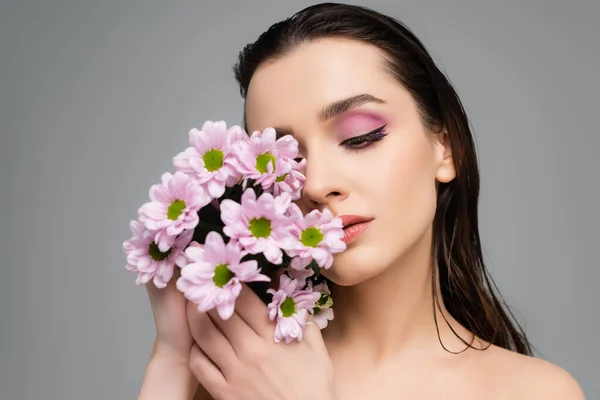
213,160
311,237
281,178
288,307
324,302
156,254
222,275
260,227
263,160
175,209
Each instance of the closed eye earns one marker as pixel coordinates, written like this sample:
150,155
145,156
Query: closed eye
358,143
366,140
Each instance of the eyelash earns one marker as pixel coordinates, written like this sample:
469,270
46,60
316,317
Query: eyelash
369,137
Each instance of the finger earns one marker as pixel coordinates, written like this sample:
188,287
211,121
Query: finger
155,293
312,333
166,303
208,374
210,339
254,312
235,329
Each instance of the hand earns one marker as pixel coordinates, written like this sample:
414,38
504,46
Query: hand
168,373
238,358
173,337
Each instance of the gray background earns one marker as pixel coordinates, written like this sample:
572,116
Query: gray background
96,97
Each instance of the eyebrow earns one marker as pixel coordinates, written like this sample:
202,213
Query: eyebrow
336,108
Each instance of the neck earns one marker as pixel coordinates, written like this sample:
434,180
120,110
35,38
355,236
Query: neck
392,313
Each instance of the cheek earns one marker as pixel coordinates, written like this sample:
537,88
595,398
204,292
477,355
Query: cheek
405,200
400,192
410,197
403,176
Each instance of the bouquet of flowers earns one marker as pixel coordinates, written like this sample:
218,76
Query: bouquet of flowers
227,216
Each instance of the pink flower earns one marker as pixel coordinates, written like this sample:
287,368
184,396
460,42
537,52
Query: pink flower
301,274
292,182
316,236
258,224
145,258
290,307
174,207
211,159
213,276
265,160
322,316
323,313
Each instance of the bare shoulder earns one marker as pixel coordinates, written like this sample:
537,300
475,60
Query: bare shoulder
526,377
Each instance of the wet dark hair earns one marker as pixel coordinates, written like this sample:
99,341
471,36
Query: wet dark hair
468,291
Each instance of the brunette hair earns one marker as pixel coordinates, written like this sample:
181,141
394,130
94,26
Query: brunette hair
468,291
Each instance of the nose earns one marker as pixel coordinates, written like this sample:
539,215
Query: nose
324,185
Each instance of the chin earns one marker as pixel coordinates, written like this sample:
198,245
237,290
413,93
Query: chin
354,266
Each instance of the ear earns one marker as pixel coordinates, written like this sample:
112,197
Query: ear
446,170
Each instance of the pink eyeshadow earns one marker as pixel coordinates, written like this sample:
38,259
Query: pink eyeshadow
359,122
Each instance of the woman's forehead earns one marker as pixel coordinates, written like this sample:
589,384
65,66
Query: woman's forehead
317,65
312,76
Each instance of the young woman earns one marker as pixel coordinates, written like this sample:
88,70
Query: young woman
385,139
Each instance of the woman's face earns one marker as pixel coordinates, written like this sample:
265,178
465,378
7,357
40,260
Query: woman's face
392,180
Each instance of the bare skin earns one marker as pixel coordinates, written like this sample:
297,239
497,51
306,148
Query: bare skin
383,342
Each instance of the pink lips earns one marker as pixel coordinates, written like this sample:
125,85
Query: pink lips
354,225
